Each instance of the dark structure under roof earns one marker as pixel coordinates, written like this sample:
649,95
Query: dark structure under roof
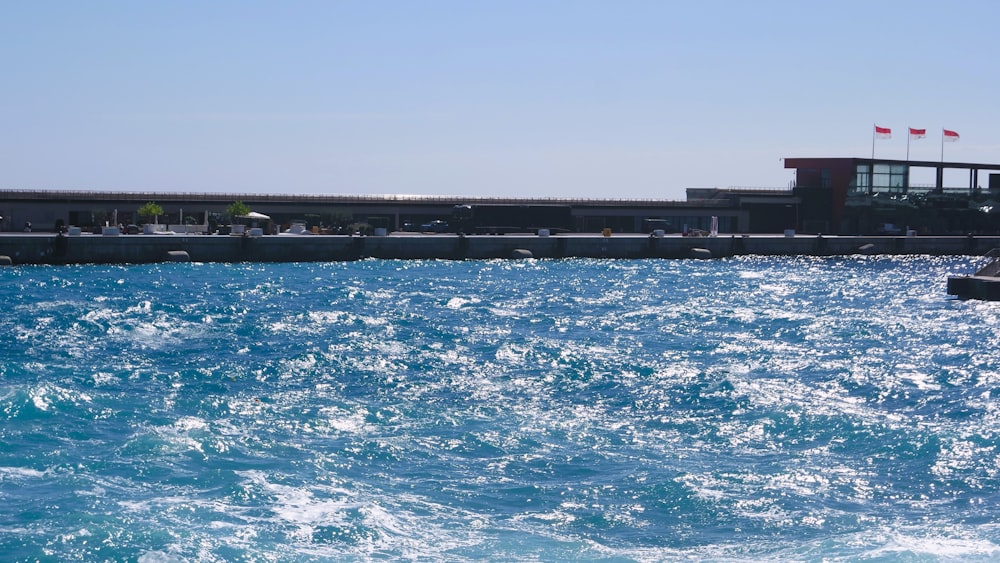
864,195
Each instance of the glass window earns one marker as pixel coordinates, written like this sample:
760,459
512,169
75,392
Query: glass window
862,179
889,178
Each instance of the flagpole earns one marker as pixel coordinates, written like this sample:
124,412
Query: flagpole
873,141
942,145
908,135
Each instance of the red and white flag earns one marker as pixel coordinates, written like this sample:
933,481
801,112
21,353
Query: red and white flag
883,132
917,133
950,136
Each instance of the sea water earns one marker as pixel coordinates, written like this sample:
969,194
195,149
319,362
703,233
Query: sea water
738,409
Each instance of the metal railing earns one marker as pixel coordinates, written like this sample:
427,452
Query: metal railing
759,190
327,198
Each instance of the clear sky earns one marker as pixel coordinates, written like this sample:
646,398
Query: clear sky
548,98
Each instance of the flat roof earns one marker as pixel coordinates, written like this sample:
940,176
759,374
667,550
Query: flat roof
343,199
810,161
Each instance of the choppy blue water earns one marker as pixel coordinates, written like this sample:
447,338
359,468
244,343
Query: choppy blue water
749,408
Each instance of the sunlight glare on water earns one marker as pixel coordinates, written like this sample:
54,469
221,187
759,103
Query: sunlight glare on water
746,408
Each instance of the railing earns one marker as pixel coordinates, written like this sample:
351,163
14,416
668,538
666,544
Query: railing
331,198
759,190
932,187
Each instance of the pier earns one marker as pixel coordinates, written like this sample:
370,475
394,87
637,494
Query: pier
48,248
983,285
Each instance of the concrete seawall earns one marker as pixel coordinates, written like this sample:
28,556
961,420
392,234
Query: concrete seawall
39,248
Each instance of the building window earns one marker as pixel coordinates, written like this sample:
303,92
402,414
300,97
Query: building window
888,178
862,179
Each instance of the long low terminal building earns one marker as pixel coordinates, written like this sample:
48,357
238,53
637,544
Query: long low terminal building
50,210
845,196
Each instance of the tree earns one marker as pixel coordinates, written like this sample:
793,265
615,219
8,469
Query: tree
237,209
150,209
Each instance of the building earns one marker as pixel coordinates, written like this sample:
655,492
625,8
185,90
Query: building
850,196
879,196
52,210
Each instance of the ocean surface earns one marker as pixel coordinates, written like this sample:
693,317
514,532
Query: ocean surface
750,408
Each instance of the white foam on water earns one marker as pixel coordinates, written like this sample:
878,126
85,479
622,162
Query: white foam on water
460,302
933,543
157,556
324,520
20,473
342,419
313,322
47,396
185,435
103,378
301,507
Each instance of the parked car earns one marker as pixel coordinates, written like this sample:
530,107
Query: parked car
434,227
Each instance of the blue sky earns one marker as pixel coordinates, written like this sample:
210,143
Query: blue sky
601,99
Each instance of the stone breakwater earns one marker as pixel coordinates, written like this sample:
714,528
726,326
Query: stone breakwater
39,248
